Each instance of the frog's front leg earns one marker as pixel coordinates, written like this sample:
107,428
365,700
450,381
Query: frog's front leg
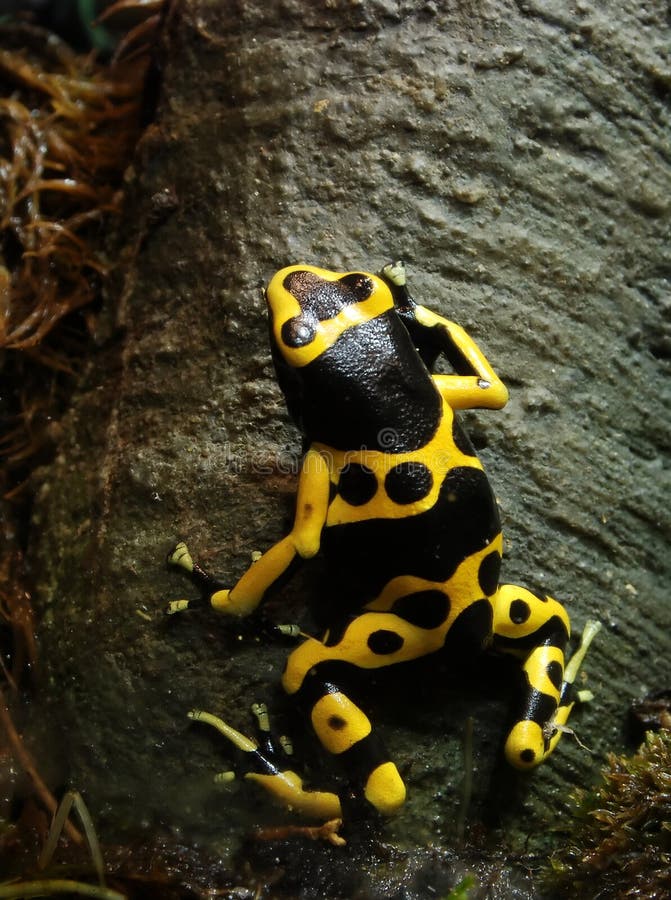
302,542
474,384
536,631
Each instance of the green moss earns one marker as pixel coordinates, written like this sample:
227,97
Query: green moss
622,844
462,891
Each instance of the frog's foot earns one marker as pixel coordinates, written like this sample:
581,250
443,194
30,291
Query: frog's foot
265,767
537,631
556,726
212,591
180,558
589,632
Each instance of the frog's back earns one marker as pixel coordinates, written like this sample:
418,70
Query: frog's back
398,532
409,497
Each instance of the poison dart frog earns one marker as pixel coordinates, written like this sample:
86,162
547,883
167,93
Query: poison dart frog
392,493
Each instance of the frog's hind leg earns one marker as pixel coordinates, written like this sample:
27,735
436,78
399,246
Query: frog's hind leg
316,673
345,731
264,765
536,630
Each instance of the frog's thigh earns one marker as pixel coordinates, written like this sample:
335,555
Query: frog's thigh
314,672
370,641
535,630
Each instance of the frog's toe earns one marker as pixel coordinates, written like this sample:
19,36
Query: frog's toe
241,741
180,558
177,606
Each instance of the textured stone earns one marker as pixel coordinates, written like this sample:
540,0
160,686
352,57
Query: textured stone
517,156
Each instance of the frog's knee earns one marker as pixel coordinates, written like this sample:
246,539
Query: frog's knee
385,789
525,746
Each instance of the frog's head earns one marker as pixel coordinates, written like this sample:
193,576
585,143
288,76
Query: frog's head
311,308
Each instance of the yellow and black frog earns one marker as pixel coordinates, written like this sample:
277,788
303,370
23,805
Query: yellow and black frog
394,496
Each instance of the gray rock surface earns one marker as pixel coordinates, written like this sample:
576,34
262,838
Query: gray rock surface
517,156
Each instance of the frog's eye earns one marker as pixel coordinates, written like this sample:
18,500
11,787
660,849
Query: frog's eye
297,332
